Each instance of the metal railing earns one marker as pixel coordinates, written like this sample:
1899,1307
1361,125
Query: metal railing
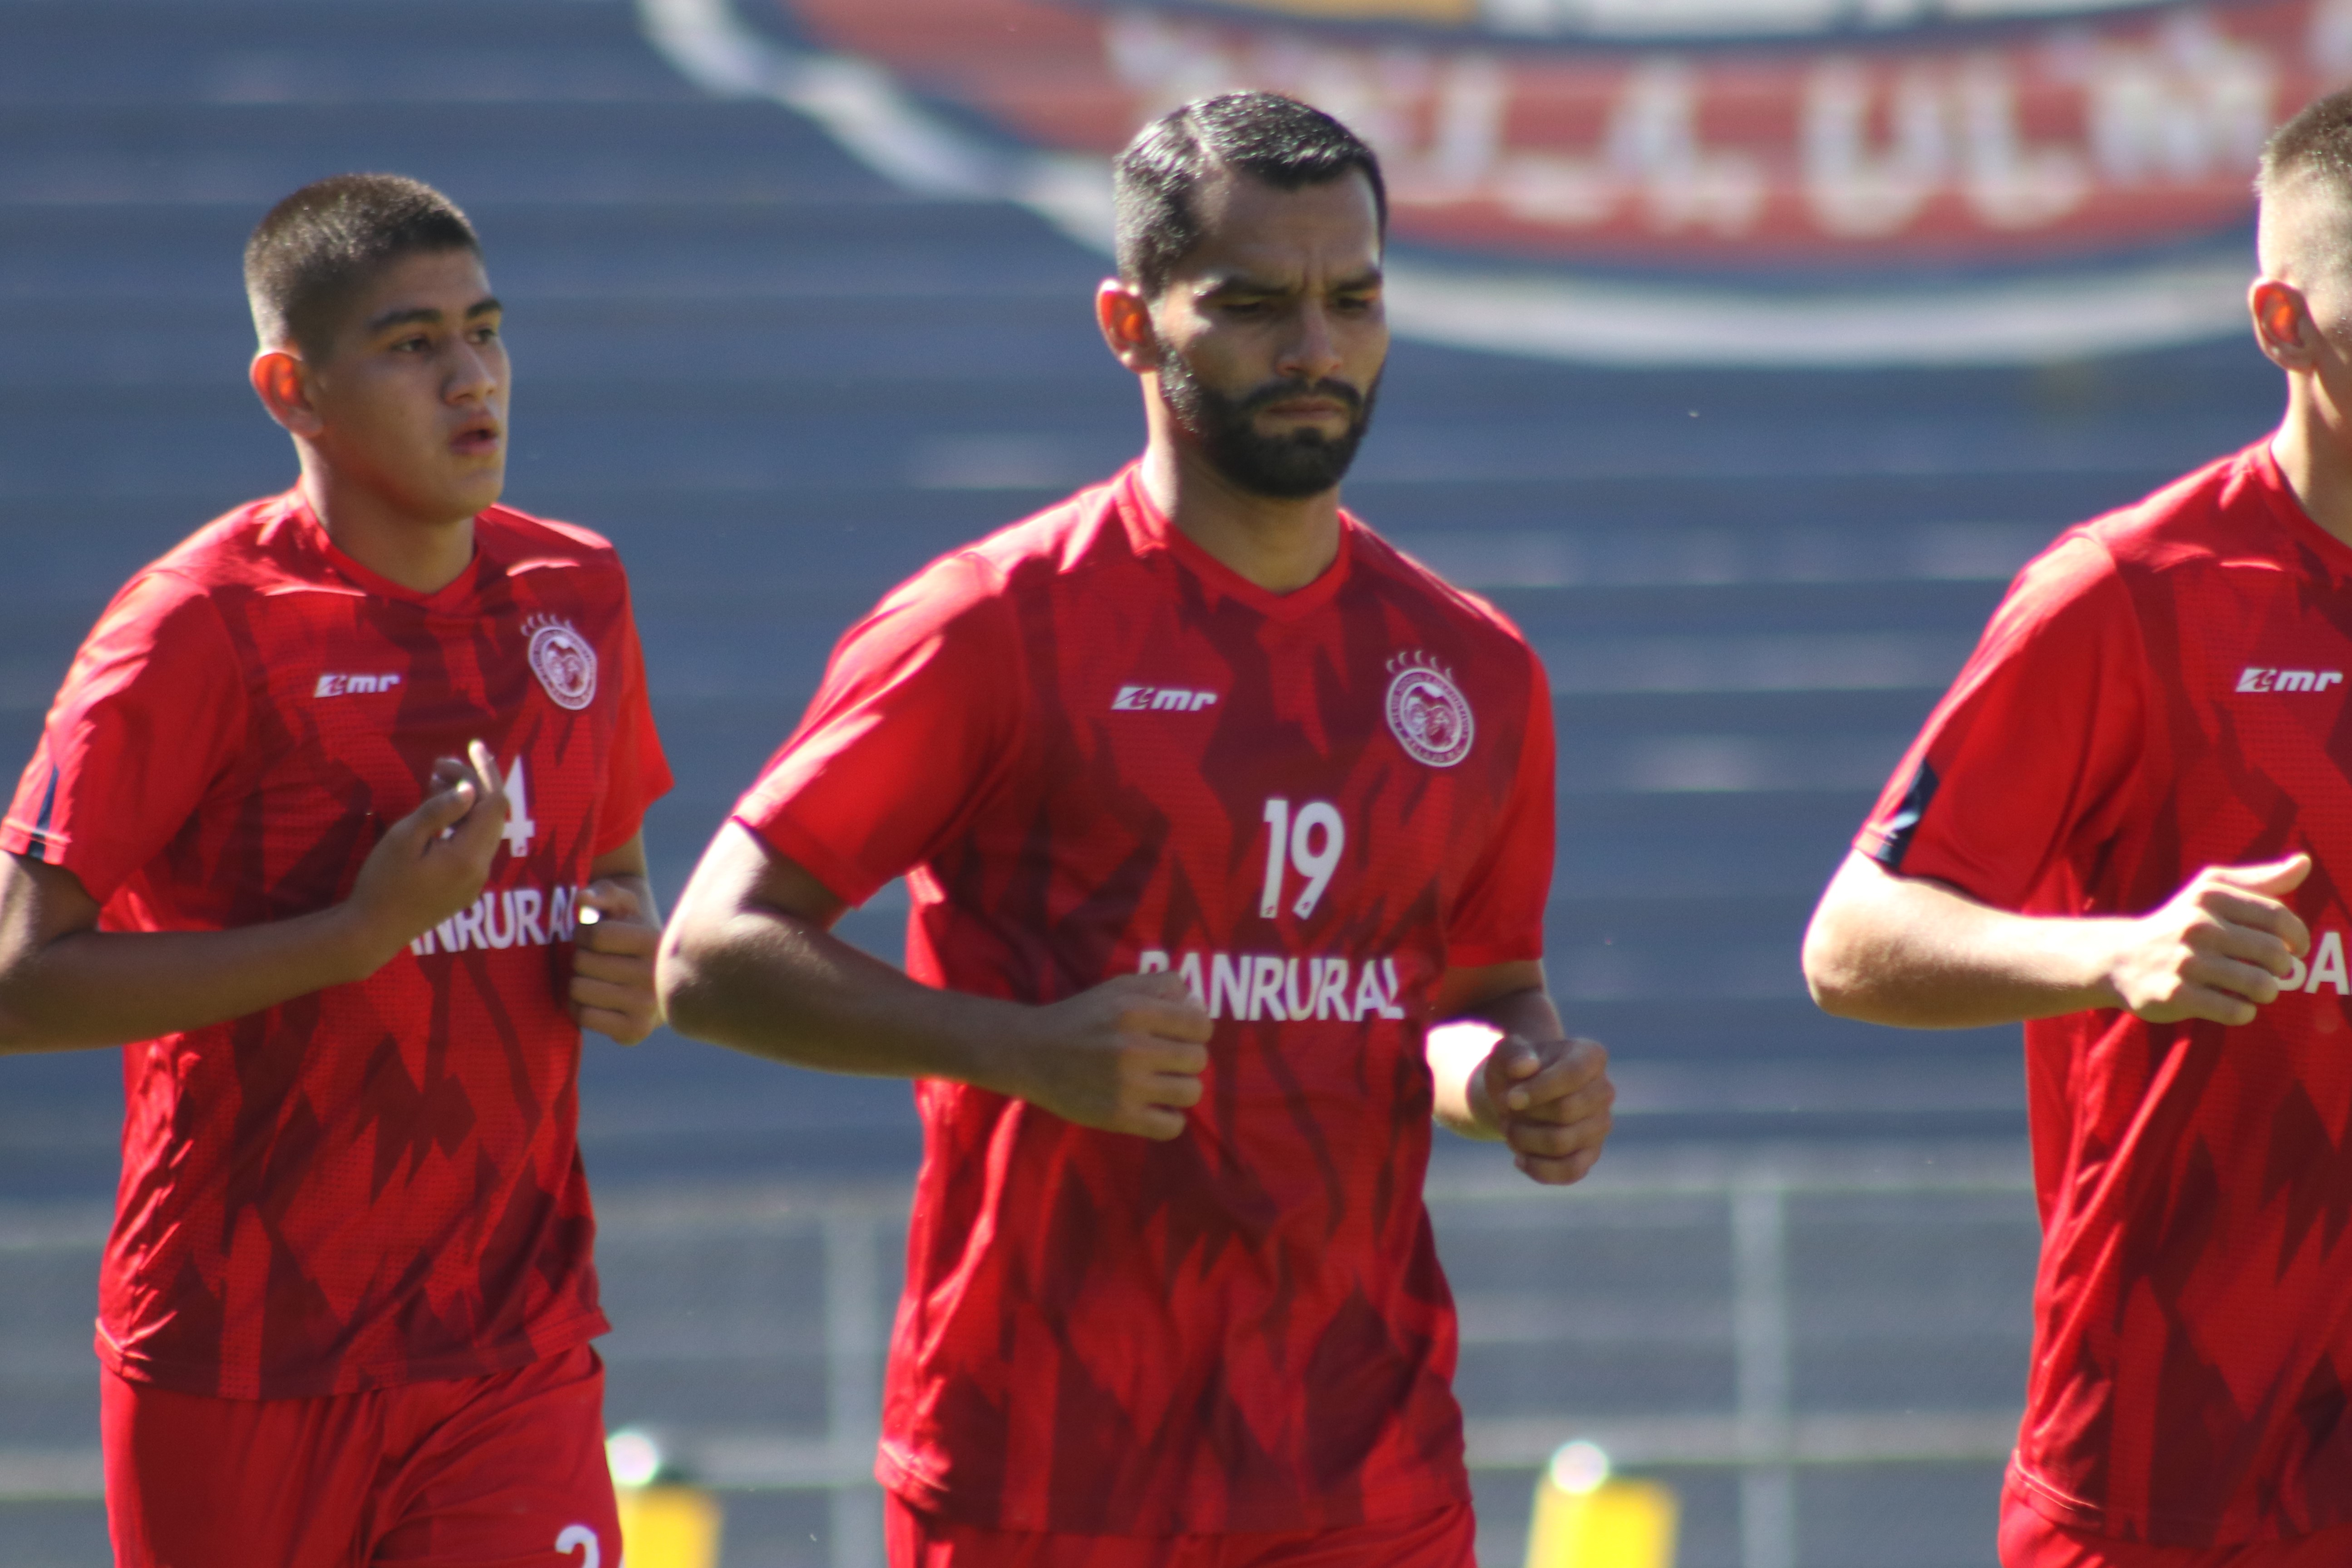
1766,1435
832,1330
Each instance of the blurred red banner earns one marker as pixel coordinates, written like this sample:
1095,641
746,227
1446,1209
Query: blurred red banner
1529,128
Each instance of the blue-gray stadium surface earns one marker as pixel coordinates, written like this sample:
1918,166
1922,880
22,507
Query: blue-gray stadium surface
779,385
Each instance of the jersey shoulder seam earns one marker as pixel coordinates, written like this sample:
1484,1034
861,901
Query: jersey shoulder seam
587,540
1382,555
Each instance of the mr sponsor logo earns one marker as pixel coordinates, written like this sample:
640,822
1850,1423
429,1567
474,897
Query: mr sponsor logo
504,918
2256,678
353,685
1257,987
1161,699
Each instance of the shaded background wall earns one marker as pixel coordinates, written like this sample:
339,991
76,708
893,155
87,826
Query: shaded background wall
780,382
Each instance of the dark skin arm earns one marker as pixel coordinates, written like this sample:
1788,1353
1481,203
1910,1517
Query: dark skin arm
66,985
1545,1095
750,962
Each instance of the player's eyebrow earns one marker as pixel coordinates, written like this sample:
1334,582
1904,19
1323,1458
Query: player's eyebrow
427,316
1243,283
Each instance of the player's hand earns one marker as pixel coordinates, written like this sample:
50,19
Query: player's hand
612,950
433,862
1126,1057
1551,1100
2219,950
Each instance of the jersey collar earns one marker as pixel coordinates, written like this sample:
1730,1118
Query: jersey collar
451,595
2264,473
1148,531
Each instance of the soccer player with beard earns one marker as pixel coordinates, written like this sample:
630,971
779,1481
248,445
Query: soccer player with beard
344,1313
2129,824
1213,803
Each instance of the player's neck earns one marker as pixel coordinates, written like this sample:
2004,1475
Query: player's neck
1280,545
423,556
2312,453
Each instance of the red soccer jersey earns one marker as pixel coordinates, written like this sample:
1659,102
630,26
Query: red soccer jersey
378,1183
2163,690
1099,751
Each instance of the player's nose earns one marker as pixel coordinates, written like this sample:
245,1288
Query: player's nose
1313,353
473,372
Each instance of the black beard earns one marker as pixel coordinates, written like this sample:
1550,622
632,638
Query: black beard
1281,467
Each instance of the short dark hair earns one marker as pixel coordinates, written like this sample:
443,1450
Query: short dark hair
322,245
1264,135
2317,141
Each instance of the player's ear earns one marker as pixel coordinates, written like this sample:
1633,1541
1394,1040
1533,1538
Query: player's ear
282,382
1125,317
2283,323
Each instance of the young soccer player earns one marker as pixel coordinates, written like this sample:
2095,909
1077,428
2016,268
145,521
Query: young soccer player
336,821
1213,803
2129,824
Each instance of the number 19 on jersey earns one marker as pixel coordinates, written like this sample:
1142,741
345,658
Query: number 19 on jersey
1308,842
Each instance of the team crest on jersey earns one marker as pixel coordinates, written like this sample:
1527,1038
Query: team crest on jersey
1427,712
563,662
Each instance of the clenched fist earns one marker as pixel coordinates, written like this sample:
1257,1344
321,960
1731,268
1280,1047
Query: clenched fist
612,963
2218,950
433,862
1551,1100
1126,1057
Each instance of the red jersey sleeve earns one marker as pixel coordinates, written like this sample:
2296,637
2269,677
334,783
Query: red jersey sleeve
1498,917
640,772
2027,756
920,709
151,713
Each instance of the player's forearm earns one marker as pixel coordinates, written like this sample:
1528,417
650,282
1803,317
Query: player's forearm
778,986
93,988
1885,949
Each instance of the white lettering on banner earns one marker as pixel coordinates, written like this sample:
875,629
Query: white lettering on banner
2035,132
1265,988
503,918
2195,103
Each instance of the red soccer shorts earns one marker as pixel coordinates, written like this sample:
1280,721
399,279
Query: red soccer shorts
2030,1541
1440,1539
502,1471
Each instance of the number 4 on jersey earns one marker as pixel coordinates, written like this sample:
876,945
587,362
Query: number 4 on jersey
519,827
1290,846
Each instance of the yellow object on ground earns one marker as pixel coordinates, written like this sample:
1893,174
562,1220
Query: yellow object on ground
668,1527
1584,1520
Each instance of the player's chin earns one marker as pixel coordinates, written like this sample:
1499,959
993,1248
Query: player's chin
1328,431
472,484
